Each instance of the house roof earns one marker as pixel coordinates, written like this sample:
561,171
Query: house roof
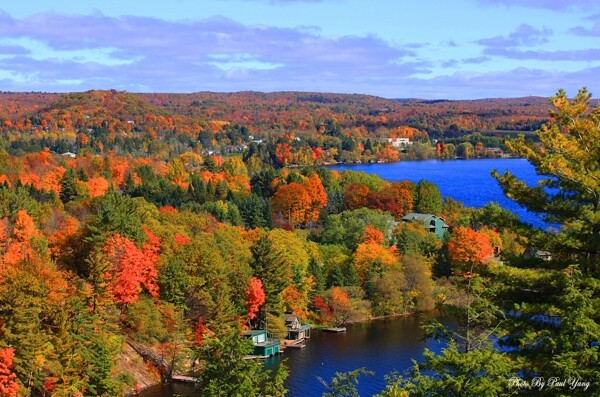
288,317
413,216
254,332
423,218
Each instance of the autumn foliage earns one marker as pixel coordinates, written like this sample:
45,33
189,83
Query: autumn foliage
255,297
133,269
8,384
19,246
89,181
469,247
300,203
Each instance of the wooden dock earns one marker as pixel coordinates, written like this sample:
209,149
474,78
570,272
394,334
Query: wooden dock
294,343
185,379
337,330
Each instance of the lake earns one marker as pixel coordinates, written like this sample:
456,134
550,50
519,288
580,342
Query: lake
468,181
381,346
389,345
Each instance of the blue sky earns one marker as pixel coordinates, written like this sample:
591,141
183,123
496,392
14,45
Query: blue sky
455,49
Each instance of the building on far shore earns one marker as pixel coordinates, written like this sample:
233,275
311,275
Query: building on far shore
396,142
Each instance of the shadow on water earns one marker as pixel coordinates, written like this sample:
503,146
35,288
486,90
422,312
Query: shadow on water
170,390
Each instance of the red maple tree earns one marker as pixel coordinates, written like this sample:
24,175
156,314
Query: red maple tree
8,385
255,297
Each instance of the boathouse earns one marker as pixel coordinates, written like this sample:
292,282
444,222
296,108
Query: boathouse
296,331
263,346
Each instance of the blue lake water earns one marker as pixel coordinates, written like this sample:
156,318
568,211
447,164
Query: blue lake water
467,181
381,346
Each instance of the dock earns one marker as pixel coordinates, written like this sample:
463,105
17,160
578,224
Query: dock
294,343
185,379
296,346
337,330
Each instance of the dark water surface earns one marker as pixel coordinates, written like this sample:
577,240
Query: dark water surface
382,346
468,181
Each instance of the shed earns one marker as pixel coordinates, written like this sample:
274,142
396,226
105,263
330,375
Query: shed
432,223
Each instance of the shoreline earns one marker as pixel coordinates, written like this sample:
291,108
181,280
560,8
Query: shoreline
335,164
320,327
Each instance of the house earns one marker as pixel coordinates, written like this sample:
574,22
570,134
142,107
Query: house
396,142
296,331
263,346
432,223
69,154
534,253
494,152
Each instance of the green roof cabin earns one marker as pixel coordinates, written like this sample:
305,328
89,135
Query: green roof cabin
263,346
432,223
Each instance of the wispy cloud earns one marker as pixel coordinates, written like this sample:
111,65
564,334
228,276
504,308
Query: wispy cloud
524,42
592,31
557,5
508,83
13,50
193,55
524,35
592,54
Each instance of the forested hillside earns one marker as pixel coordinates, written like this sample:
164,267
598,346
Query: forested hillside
297,128
129,223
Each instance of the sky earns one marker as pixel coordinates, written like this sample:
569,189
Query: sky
431,49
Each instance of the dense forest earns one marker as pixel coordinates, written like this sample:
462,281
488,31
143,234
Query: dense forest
299,128
140,235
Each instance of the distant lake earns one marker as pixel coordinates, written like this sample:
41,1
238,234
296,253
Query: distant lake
467,181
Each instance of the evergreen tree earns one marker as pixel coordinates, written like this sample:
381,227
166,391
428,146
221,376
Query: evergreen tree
226,372
68,186
252,211
173,281
569,155
335,278
315,270
350,275
117,214
129,185
269,267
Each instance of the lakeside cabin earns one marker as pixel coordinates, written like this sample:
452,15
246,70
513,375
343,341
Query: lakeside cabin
263,346
431,223
296,331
